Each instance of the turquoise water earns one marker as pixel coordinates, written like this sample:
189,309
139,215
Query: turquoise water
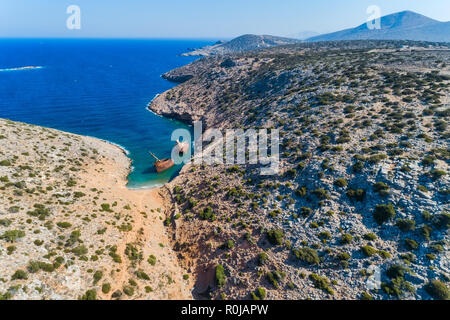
99,88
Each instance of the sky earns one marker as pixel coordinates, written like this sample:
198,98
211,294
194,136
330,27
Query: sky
210,19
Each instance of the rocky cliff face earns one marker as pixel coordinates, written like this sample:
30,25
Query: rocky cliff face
360,206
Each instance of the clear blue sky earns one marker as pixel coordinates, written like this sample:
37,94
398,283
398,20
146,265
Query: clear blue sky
197,18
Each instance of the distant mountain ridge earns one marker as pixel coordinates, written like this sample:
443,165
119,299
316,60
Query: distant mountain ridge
245,42
303,35
405,25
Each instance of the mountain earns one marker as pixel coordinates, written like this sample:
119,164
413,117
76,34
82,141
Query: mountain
303,35
405,25
243,43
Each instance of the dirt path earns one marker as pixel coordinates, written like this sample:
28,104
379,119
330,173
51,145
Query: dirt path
148,234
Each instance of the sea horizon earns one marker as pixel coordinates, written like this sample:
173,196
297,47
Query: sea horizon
69,93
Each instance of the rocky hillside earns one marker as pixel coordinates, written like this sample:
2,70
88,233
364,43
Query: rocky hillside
243,43
70,229
405,25
360,207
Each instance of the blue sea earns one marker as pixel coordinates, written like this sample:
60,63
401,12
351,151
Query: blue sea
99,88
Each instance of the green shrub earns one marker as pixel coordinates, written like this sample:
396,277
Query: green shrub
321,193
133,253
220,276
383,213
71,183
430,256
381,188
89,295
376,158
142,275
406,225
370,236
436,247
275,236
368,250
384,254
346,238
438,290
64,225
436,174
47,267
10,250
12,235
259,294
80,250
128,290
291,173
207,214
441,221
106,287
74,237
321,283
422,188
307,255
358,166
78,194
341,182
116,294
262,258
106,207
396,270
274,277
152,260
301,192
411,244
357,194
229,244
366,296
5,163
305,211
19,275
397,284
425,231
324,235
5,296
97,276
39,211
5,222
